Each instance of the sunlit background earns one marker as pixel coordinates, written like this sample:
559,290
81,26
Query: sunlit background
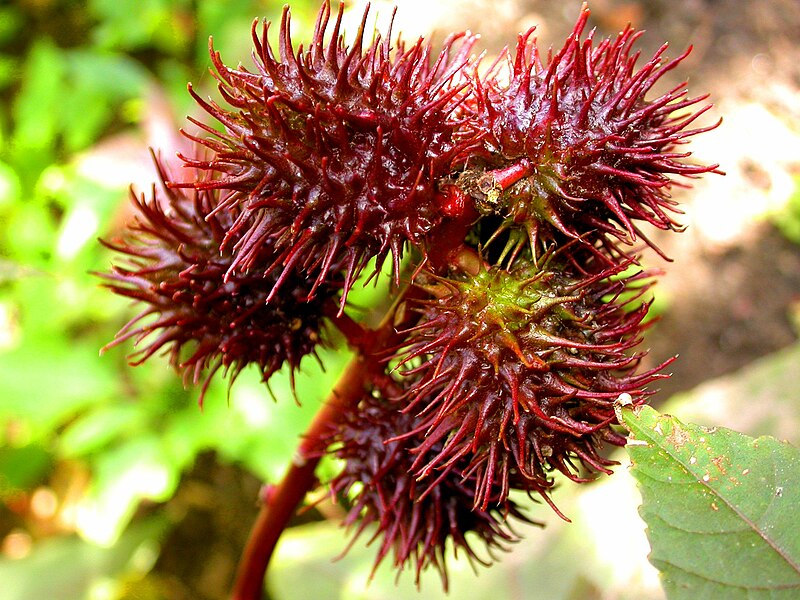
115,485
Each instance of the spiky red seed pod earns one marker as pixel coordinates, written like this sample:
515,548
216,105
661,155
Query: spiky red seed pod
202,318
411,519
594,155
334,153
518,371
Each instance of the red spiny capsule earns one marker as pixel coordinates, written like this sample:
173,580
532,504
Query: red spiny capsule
194,311
518,370
594,154
334,153
411,519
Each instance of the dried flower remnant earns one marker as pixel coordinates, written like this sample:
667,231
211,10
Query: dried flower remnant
201,318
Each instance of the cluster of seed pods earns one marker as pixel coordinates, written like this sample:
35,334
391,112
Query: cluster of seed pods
510,202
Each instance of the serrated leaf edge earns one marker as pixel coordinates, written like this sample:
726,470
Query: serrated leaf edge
622,409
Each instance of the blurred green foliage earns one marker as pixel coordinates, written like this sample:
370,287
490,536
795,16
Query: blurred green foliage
787,220
75,79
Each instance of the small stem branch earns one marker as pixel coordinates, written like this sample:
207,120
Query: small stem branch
355,333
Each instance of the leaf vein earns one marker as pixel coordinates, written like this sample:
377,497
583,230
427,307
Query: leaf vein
714,491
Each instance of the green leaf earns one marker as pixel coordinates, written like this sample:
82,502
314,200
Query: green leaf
9,67
22,468
93,431
160,24
98,83
11,23
46,385
36,106
10,185
721,508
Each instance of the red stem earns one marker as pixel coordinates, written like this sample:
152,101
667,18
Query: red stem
280,505
281,501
